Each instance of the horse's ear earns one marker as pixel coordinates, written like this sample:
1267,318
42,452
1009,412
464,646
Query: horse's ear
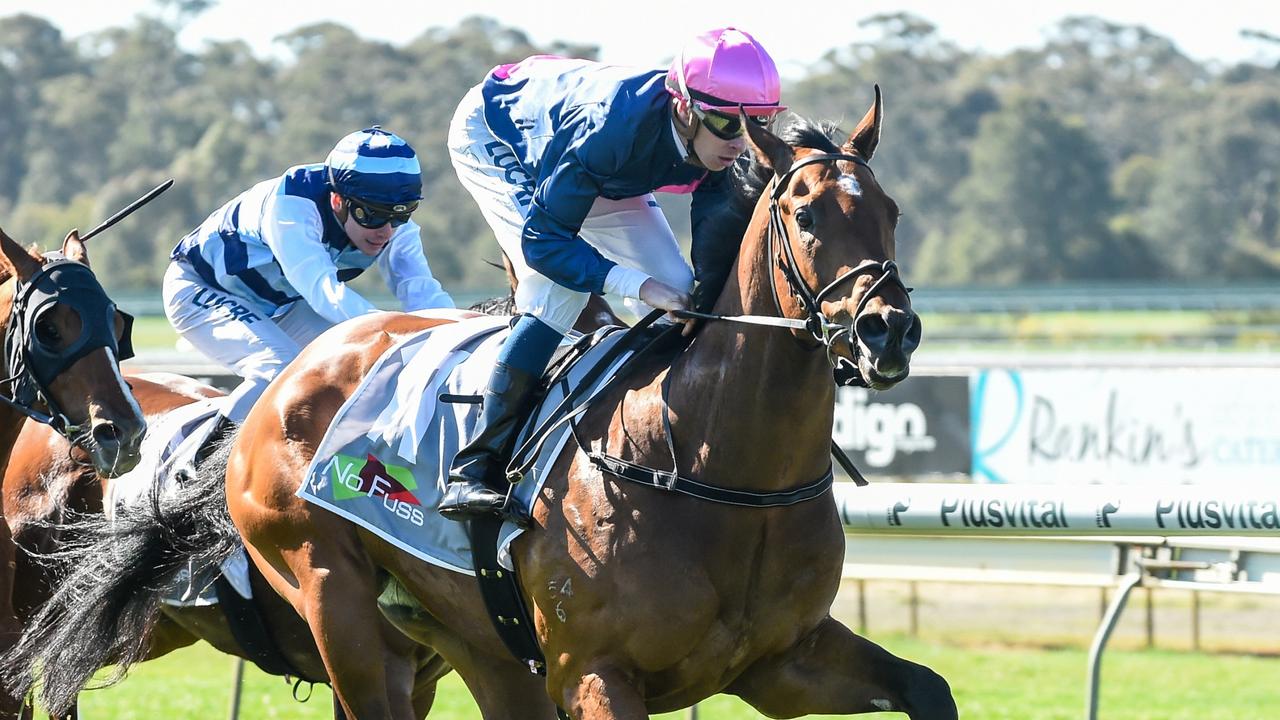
768,148
23,263
510,269
866,136
73,248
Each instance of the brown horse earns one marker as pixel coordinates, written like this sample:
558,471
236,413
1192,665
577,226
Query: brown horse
43,492
644,601
57,320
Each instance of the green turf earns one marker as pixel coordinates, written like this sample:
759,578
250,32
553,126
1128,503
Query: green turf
990,683
153,332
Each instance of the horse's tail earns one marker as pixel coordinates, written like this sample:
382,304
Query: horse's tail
110,580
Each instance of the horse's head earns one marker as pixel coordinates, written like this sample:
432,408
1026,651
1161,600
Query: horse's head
63,340
831,250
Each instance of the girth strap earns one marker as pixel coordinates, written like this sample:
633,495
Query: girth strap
503,599
672,482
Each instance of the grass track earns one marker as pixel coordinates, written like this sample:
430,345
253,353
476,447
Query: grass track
990,683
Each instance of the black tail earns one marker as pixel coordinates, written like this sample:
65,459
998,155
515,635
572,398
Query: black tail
109,582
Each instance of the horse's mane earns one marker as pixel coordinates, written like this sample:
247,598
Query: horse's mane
718,237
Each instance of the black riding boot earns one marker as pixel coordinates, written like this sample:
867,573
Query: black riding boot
477,483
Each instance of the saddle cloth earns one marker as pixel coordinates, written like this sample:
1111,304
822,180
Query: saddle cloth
384,461
164,449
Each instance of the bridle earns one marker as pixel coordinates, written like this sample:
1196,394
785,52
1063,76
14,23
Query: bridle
32,364
825,333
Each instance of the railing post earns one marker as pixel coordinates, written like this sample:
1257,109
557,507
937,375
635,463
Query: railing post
237,680
1100,641
914,602
862,606
1151,619
1195,620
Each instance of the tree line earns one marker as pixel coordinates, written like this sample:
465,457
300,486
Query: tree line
1105,154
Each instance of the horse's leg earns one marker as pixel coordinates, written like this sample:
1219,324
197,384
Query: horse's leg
167,636
606,694
10,626
502,688
340,602
833,671
332,583
431,667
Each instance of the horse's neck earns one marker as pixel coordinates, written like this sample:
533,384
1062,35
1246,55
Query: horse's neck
752,404
10,420
10,425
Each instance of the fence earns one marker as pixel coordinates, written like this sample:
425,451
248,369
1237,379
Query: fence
1186,537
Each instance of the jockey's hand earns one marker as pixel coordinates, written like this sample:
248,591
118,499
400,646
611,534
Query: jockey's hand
657,294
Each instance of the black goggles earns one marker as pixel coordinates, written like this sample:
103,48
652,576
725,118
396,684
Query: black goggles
727,127
371,216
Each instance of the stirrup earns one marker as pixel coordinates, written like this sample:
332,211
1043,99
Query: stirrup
460,509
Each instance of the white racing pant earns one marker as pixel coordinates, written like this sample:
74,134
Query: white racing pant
632,232
229,331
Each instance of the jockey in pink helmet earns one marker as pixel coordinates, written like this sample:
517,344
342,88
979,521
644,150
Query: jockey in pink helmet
563,157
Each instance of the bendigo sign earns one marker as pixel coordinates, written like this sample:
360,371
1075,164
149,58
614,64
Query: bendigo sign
916,428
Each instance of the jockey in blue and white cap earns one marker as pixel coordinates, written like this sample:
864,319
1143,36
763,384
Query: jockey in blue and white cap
267,272
563,156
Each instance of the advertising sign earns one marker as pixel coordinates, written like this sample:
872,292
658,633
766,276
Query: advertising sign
1126,426
919,427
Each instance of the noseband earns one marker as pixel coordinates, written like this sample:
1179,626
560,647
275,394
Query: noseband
825,332
31,363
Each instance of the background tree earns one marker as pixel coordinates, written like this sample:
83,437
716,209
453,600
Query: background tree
1103,154
1034,207
1214,204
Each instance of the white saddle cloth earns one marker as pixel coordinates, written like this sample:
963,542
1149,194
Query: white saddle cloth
164,449
384,461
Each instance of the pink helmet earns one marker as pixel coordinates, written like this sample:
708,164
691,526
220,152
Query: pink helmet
724,68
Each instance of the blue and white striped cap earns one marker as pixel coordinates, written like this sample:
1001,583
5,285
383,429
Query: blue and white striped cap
375,166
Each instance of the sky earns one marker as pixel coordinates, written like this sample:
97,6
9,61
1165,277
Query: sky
645,33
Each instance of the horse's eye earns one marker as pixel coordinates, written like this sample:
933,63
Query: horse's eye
804,218
47,334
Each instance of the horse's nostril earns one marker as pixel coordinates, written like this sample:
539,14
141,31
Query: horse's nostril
911,339
106,433
873,331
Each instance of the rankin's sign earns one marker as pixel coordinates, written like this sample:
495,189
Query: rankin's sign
1125,427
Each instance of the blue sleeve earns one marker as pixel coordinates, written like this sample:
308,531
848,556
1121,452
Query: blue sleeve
717,230
562,200
711,195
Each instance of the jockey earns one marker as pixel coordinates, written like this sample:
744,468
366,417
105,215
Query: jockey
267,272
563,156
